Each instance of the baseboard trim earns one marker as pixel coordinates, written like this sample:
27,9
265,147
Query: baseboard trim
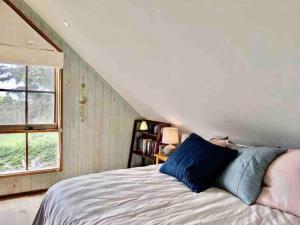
22,194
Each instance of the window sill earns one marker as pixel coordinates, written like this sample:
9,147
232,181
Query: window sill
31,172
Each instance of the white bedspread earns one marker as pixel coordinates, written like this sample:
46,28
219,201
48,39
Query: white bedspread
145,196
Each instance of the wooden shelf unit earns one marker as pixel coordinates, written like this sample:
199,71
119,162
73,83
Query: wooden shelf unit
148,134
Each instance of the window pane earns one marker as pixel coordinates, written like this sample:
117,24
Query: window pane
43,150
12,108
41,78
40,108
12,76
12,153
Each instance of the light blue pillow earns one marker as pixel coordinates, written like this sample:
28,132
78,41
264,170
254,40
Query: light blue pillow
243,176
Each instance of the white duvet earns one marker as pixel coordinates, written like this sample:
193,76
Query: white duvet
145,196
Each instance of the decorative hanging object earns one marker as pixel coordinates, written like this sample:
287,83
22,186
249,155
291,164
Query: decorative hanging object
83,101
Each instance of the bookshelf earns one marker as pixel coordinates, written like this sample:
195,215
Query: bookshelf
145,143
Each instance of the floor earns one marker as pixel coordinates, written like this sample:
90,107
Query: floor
19,211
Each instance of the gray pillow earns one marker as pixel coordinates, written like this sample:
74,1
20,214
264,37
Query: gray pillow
243,176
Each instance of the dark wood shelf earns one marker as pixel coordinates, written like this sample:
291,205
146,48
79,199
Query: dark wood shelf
145,134
150,135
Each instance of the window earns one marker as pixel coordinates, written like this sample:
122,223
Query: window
30,119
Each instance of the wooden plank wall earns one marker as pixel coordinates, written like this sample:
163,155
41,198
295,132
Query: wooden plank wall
101,142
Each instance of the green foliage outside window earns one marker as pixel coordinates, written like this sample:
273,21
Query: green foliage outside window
42,147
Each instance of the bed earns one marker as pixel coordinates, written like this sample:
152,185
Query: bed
143,195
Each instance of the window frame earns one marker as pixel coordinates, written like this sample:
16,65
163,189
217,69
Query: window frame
26,128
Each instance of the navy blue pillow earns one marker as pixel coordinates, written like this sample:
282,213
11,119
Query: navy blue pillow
198,163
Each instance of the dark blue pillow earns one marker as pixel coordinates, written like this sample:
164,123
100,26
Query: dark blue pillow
198,163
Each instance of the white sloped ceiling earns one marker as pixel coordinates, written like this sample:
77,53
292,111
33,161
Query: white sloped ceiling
16,32
214,67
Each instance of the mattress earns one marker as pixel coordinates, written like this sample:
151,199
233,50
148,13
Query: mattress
143,195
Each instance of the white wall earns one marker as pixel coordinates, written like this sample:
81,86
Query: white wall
216,67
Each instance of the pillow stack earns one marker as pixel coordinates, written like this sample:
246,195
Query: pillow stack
201,164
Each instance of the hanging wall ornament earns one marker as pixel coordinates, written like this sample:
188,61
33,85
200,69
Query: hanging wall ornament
83,101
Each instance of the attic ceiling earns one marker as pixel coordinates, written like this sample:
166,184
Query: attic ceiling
213,67
15,31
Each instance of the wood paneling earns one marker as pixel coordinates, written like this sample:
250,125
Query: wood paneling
99,143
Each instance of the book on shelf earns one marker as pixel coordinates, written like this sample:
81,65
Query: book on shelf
147,146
